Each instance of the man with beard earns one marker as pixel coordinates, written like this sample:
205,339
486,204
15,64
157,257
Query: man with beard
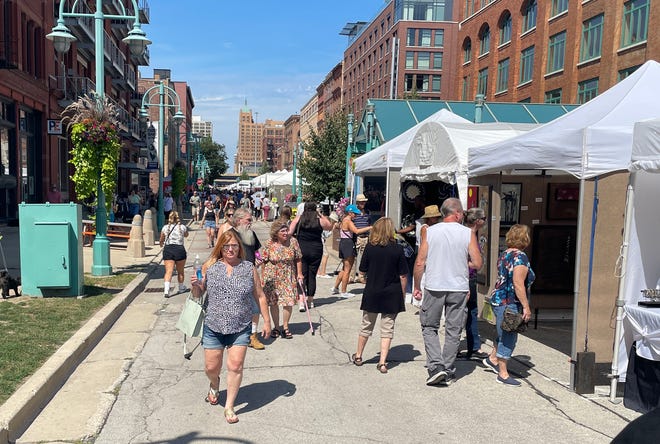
242,221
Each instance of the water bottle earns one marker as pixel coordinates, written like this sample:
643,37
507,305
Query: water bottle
197,266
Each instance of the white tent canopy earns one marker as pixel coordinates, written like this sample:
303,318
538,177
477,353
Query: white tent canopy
439,151
266,179
392,153
591,140
285,179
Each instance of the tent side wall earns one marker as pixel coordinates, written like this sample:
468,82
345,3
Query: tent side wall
604,283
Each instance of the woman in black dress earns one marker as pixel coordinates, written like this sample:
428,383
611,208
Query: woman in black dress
308,228
386,269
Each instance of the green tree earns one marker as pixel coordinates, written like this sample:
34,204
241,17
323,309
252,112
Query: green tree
244,176
216,156
323,165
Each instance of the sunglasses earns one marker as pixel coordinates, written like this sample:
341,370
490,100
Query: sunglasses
228,247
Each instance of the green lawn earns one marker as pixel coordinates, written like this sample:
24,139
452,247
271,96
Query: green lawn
33,328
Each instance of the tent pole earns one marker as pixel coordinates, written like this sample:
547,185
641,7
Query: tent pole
576,282
387,191
620,300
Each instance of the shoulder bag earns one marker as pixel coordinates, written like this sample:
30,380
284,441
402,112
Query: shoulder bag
513,321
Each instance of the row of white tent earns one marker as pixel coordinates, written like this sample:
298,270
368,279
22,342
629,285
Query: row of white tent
592,140
277,178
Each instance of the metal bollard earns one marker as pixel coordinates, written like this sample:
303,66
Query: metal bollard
135,247
148,229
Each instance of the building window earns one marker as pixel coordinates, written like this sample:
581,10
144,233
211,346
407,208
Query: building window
410,60
439,40
526,64
484,41
424,38
587,90
465,88
410,37
469,7
626,72
502,76
437,60
482,82
558,6
529,16
467,50
435,87
592,36
426,10
556,47
553,96
635,22
423,60
505,28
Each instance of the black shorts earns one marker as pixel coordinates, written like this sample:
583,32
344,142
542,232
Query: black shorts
347,249
174,253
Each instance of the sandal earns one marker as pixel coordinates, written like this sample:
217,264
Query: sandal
275,333
286,334
230,416
357,360
382,368
212,397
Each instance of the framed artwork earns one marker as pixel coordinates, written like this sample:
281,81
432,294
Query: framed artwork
483,202
472,197
510,204
553,258
563,200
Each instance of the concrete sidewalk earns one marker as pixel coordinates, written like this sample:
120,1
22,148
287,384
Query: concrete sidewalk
135,386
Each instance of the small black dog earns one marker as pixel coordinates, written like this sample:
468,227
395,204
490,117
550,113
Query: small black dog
9,283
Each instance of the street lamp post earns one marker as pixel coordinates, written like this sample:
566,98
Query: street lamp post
179,118
349,154
137,43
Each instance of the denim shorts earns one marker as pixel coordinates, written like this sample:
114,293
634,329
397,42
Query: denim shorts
506,340
217,341
209,224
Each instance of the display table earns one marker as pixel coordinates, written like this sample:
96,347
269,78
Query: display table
641,326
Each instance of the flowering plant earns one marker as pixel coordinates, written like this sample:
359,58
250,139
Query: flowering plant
340,207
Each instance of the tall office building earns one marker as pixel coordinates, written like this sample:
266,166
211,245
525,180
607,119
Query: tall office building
202,128
554,51
249,154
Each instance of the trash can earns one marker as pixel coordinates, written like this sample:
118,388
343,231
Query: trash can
50,237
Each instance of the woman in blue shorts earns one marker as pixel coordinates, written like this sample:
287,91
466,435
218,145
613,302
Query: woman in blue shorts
232,283
210,218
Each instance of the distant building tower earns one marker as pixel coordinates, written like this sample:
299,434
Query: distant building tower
201,127
249,151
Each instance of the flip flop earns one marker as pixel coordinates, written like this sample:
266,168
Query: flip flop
357,360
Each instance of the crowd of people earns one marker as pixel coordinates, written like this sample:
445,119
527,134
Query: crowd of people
245,280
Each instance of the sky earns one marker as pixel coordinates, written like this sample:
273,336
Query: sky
271,53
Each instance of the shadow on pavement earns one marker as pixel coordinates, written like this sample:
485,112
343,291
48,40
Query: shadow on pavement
198,437
260,394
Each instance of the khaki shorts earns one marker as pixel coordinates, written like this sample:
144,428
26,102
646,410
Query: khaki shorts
386,324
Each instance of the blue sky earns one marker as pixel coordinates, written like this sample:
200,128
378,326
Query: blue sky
272,53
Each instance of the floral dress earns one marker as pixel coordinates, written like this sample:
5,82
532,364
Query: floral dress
279,272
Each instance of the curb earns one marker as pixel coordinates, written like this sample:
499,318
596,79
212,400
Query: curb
18,412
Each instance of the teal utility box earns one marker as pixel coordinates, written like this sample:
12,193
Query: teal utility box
51,249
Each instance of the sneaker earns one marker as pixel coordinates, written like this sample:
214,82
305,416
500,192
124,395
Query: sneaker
301,308
449,380
311,305
334,290
490,366
166,295
508,381
346,295
325,276
478,355
182,288
255,343
436,377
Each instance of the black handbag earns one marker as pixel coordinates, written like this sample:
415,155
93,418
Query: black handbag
513,321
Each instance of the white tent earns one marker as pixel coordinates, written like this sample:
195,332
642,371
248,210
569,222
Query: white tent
266,179
286,178
392,153
439,150
594,139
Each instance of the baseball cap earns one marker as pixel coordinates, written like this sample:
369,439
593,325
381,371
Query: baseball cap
353,209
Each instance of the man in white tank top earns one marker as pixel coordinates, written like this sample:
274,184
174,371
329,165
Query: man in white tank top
445,255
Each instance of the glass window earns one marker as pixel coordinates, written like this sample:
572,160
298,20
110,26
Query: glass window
626,72
592,36
410,60
529,16
553,96
424,37
558,6
526,64
423,60
437,60
502,76
556,47
439,40
467,51
482,82
587,90
469,7
408,82
465,88
484,41
436,83
429,10
505,29
410,37
635,22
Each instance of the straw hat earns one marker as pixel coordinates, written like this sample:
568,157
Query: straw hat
431,211
361,198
